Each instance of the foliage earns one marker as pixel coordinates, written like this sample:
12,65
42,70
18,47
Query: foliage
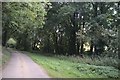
22,19
11,42
97,27
54,28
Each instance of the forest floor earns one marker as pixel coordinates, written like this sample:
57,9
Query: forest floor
21,66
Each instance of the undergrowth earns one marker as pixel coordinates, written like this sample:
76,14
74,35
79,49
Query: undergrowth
71,67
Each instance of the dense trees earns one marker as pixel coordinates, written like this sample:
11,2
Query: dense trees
22,21
95,25
63,28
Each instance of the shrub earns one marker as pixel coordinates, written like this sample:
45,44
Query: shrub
11,43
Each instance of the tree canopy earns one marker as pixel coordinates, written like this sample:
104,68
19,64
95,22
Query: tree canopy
63,27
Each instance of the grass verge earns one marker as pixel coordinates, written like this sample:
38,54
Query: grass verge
64,68
0,56
6,54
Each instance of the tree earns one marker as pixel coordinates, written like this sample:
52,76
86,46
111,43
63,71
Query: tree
54,28
22,19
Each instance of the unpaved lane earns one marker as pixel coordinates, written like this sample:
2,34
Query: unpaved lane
21,66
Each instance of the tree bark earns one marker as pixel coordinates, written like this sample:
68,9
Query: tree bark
4,38
91,48
78,47
72,42
95,6
72,37
81,48
82,42
55,43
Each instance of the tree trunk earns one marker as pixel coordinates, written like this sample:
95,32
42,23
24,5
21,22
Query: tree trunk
55,43
102,8
95,6
82,42
91,48
48,44
72,42
81,48
78,47
4,38
61,49
72,37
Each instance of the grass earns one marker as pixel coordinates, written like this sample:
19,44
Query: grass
102,61
5,56
0,62
0,56
63,67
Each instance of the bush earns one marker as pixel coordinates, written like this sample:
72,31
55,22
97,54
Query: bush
11,43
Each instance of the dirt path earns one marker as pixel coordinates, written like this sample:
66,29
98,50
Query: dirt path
21,66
